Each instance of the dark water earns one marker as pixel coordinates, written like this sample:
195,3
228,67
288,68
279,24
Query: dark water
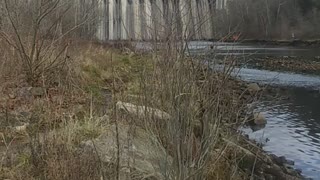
293,128
266,77
237,49
247,49
294,124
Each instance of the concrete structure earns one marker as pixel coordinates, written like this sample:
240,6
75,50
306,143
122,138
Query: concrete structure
150,19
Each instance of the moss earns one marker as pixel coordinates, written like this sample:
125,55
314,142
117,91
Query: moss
87,132
88,129
24,159
125,60
93,89
92,71
112,67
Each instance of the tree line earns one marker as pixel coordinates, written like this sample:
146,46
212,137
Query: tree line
253,19
270,19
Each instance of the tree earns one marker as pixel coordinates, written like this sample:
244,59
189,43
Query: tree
35,30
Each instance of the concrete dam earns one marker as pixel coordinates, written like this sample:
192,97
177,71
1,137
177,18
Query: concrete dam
156,19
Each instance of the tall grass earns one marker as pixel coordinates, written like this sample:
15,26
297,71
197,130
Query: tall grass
203,106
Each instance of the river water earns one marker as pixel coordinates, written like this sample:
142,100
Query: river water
293,128
247,49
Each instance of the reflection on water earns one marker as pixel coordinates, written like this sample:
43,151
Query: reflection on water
293,130
294,124
277,78
236,49
248,49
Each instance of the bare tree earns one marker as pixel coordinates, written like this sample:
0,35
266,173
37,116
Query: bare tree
39,40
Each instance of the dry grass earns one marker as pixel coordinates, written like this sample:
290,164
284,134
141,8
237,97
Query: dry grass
66,115
83,81
202,104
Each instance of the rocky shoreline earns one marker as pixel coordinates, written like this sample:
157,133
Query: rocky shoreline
22,107
268,166
265,166
292,64
296,42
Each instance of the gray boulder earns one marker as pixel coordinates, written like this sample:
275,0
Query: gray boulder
259,119
38,91
142,111
254,87
140,153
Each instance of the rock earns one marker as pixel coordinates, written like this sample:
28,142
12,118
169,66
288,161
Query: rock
21,129
288,167
12,96
290,162
254,87
277,173
269,177
292,172
138,149
142,111
24,92
257,127
281,160
299,171
38,91
259,119
127,51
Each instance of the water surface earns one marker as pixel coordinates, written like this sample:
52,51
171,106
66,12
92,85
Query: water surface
293,124
249,49
293,130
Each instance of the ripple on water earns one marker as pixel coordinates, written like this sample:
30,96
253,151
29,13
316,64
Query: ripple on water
294,131
293,125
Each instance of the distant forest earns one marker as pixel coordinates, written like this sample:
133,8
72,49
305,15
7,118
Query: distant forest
252,19
270,19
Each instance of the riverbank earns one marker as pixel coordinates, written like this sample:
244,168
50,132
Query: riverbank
126,114
287,64
290,64
296,42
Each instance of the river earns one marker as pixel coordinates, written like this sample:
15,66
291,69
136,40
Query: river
293,128
248,49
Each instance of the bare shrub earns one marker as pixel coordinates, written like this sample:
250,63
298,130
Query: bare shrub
201,102
38,40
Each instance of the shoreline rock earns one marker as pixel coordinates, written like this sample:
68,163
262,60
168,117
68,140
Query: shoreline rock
259,119
142,111
141,154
